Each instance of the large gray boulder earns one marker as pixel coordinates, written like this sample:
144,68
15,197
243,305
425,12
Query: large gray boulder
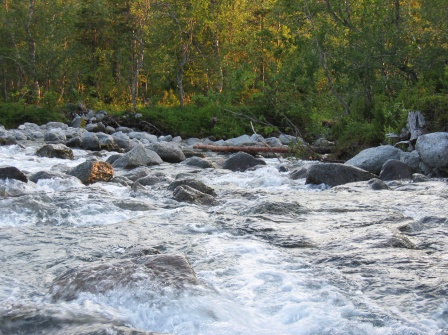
90,142
241,161
373,159
334,174
55,135
139,156
107,142
55,151
123,140
433,149
168,152
395,170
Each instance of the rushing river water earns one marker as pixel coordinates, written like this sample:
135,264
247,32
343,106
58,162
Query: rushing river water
275,256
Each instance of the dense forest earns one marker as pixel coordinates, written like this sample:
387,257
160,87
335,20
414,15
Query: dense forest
342,69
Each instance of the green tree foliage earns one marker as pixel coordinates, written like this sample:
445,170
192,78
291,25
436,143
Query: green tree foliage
336,68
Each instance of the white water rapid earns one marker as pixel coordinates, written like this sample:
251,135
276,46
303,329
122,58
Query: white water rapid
275,256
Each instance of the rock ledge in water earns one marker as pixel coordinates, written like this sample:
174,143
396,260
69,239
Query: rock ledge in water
100,277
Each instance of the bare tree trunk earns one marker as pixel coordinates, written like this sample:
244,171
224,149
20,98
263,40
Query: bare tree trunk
220,84
180,74
32,52
137,67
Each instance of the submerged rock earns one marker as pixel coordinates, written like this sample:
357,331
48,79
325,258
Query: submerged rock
241,161
334,174
377,184
152,271
93,171
31,318
55,151
185,193
196,184
46,175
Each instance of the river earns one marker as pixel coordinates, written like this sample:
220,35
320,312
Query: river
274,256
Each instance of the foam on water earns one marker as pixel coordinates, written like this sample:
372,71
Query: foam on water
250,289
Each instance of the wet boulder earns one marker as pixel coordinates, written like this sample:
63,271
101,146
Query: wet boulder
241,161
151,272
137,173
377,184
433,149
7,139
334,174
11,172
300,172
395,170
138,156
193,183
419,178
198,162
55,151
147,181
185,193
93,171
74,142
168,152
372,159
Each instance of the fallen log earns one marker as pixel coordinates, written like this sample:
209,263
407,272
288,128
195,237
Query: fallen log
250,150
